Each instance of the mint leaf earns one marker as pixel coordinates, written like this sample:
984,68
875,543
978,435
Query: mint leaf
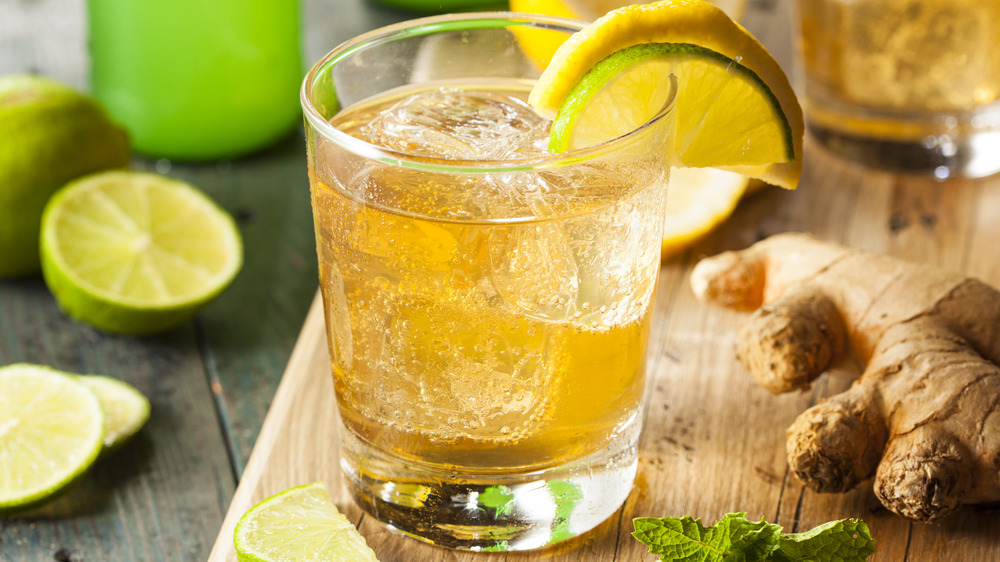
837,541
736,539
756,540
732,539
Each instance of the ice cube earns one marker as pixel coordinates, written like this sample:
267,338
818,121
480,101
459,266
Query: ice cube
460,124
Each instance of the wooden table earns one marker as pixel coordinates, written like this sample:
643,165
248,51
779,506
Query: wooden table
715,442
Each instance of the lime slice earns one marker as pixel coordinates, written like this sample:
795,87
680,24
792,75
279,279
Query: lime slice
299,524
136,253
125,408
51,428
698,200
734,106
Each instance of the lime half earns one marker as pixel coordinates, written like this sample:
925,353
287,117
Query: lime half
296,525
51,429
136,253
126,410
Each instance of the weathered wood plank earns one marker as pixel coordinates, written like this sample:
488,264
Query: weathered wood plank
163,495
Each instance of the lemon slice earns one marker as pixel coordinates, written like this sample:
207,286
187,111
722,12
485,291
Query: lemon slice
136,253
299,524
51,428
125,409
698,200
734,106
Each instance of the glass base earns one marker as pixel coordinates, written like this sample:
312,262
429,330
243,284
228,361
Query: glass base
941,144
490,511
943,158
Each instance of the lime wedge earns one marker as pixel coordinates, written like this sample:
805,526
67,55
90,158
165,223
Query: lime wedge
125,408
136,253
734,106
51,429
724,114
299,524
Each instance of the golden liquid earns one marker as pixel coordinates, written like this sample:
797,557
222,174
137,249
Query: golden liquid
474,343
916,57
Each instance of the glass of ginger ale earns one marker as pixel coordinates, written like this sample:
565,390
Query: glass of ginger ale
910,85
488,304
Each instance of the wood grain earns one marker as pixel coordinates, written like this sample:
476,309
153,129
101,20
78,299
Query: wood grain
715,441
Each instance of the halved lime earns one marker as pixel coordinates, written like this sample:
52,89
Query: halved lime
125,408
51,429
296,525
136,253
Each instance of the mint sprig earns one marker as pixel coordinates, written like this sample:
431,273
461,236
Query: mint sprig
734,538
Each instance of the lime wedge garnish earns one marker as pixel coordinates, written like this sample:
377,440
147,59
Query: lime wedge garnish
51,430
299,524
136,253
125,408
724,114
734,106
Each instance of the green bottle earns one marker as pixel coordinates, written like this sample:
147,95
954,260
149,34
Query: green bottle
198,79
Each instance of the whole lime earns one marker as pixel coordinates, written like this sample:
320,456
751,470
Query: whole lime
51,134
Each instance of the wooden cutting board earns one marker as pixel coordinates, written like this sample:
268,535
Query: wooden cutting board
714,442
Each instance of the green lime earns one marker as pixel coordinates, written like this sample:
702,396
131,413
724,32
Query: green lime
136,253
56,134
125,408
299,524
51,429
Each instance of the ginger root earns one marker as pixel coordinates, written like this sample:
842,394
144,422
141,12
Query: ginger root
923,417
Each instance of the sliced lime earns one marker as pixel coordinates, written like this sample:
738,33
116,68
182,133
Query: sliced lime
136,253
299,524
51,429
734,107
125,408
725,115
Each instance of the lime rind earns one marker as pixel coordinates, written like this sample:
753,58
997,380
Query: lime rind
126,410
40,400
619,63
300,520
111,310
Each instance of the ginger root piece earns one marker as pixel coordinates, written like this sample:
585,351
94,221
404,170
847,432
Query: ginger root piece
923,417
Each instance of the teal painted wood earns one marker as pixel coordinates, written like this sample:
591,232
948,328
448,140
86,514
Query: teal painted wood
163,496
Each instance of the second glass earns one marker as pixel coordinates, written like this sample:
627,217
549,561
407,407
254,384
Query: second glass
910,85
488,305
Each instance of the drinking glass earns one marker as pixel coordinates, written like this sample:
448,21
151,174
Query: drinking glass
911,85
488,316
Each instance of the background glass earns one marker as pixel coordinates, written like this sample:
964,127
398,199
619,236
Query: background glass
911,85
488,320
197,79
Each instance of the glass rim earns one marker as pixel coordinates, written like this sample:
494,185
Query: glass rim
442,23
